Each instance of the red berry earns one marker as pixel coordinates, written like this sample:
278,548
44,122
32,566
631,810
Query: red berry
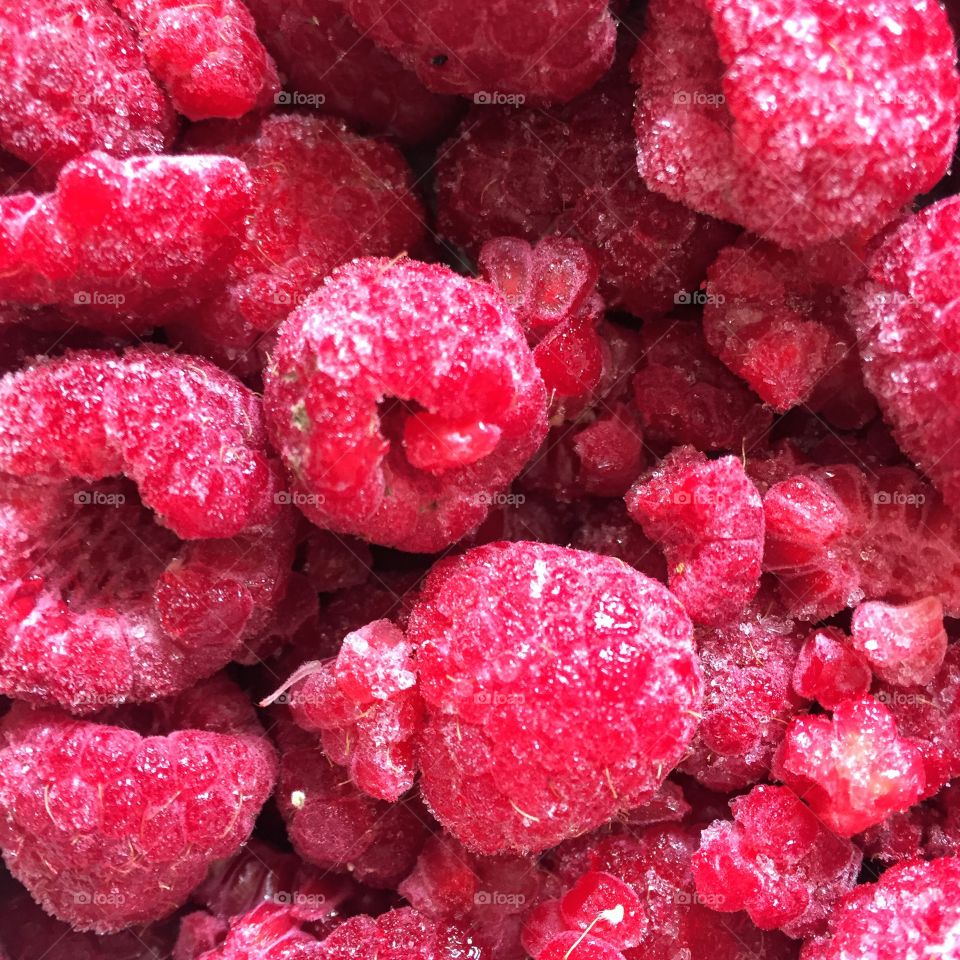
605,527
829,669
804,135
340,415
560,688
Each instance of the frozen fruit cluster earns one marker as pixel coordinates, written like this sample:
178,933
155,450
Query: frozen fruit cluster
478,480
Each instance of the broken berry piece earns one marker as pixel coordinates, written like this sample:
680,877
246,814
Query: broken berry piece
829,669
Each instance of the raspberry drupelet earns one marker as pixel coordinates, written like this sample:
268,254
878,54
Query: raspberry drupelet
829,669
496,48
707,515
75,81
560,688
120,244
401,396
802,136
109,827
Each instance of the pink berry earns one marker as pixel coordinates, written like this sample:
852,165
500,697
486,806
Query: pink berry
124,238
802,136
76,81
451,366
853,769
708,518
536,50
374,664
776,861
904,318
528,742
830,670
107,827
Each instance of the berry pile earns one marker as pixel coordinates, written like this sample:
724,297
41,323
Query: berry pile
479,480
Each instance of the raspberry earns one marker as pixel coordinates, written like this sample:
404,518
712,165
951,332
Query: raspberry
321,53
525,516
124,238
107,827
335,563
829,670
904,318
708,518
76,82
268,932
511,48
528,742
686,396
906,644
333,825
853,769
802,136
605,527
776,861
531,173
321,196
777,319
404,446
747,668
910,913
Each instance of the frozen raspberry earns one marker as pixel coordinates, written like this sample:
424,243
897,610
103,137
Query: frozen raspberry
911,913
686,396
900,837
931,716
906,324
322,54
776,861
560,687
777,319
605,527
199,933
748,699
207,56
532,173
942,828
107,827
805,135
829,669
268,932
505,48
836,536
333,825
853,769
905,644
321,196
405,445
122,239
76,81
708,517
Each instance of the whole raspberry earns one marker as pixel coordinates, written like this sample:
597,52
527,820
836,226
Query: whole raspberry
122,239
207,56
403,445
532,173
497,48
684,395
75,80
911,913
776,861
323,55
560,687
778,320
321,196
906,322
803,136
829,670
853,769
747,670
708,517
107,827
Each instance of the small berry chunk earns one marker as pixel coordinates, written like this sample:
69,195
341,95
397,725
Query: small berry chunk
776,861
906,319
513,48
75,80
560,688
708,517
606,907
829,669
801,135
905,644
107,827
853,769
207,56
353,420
